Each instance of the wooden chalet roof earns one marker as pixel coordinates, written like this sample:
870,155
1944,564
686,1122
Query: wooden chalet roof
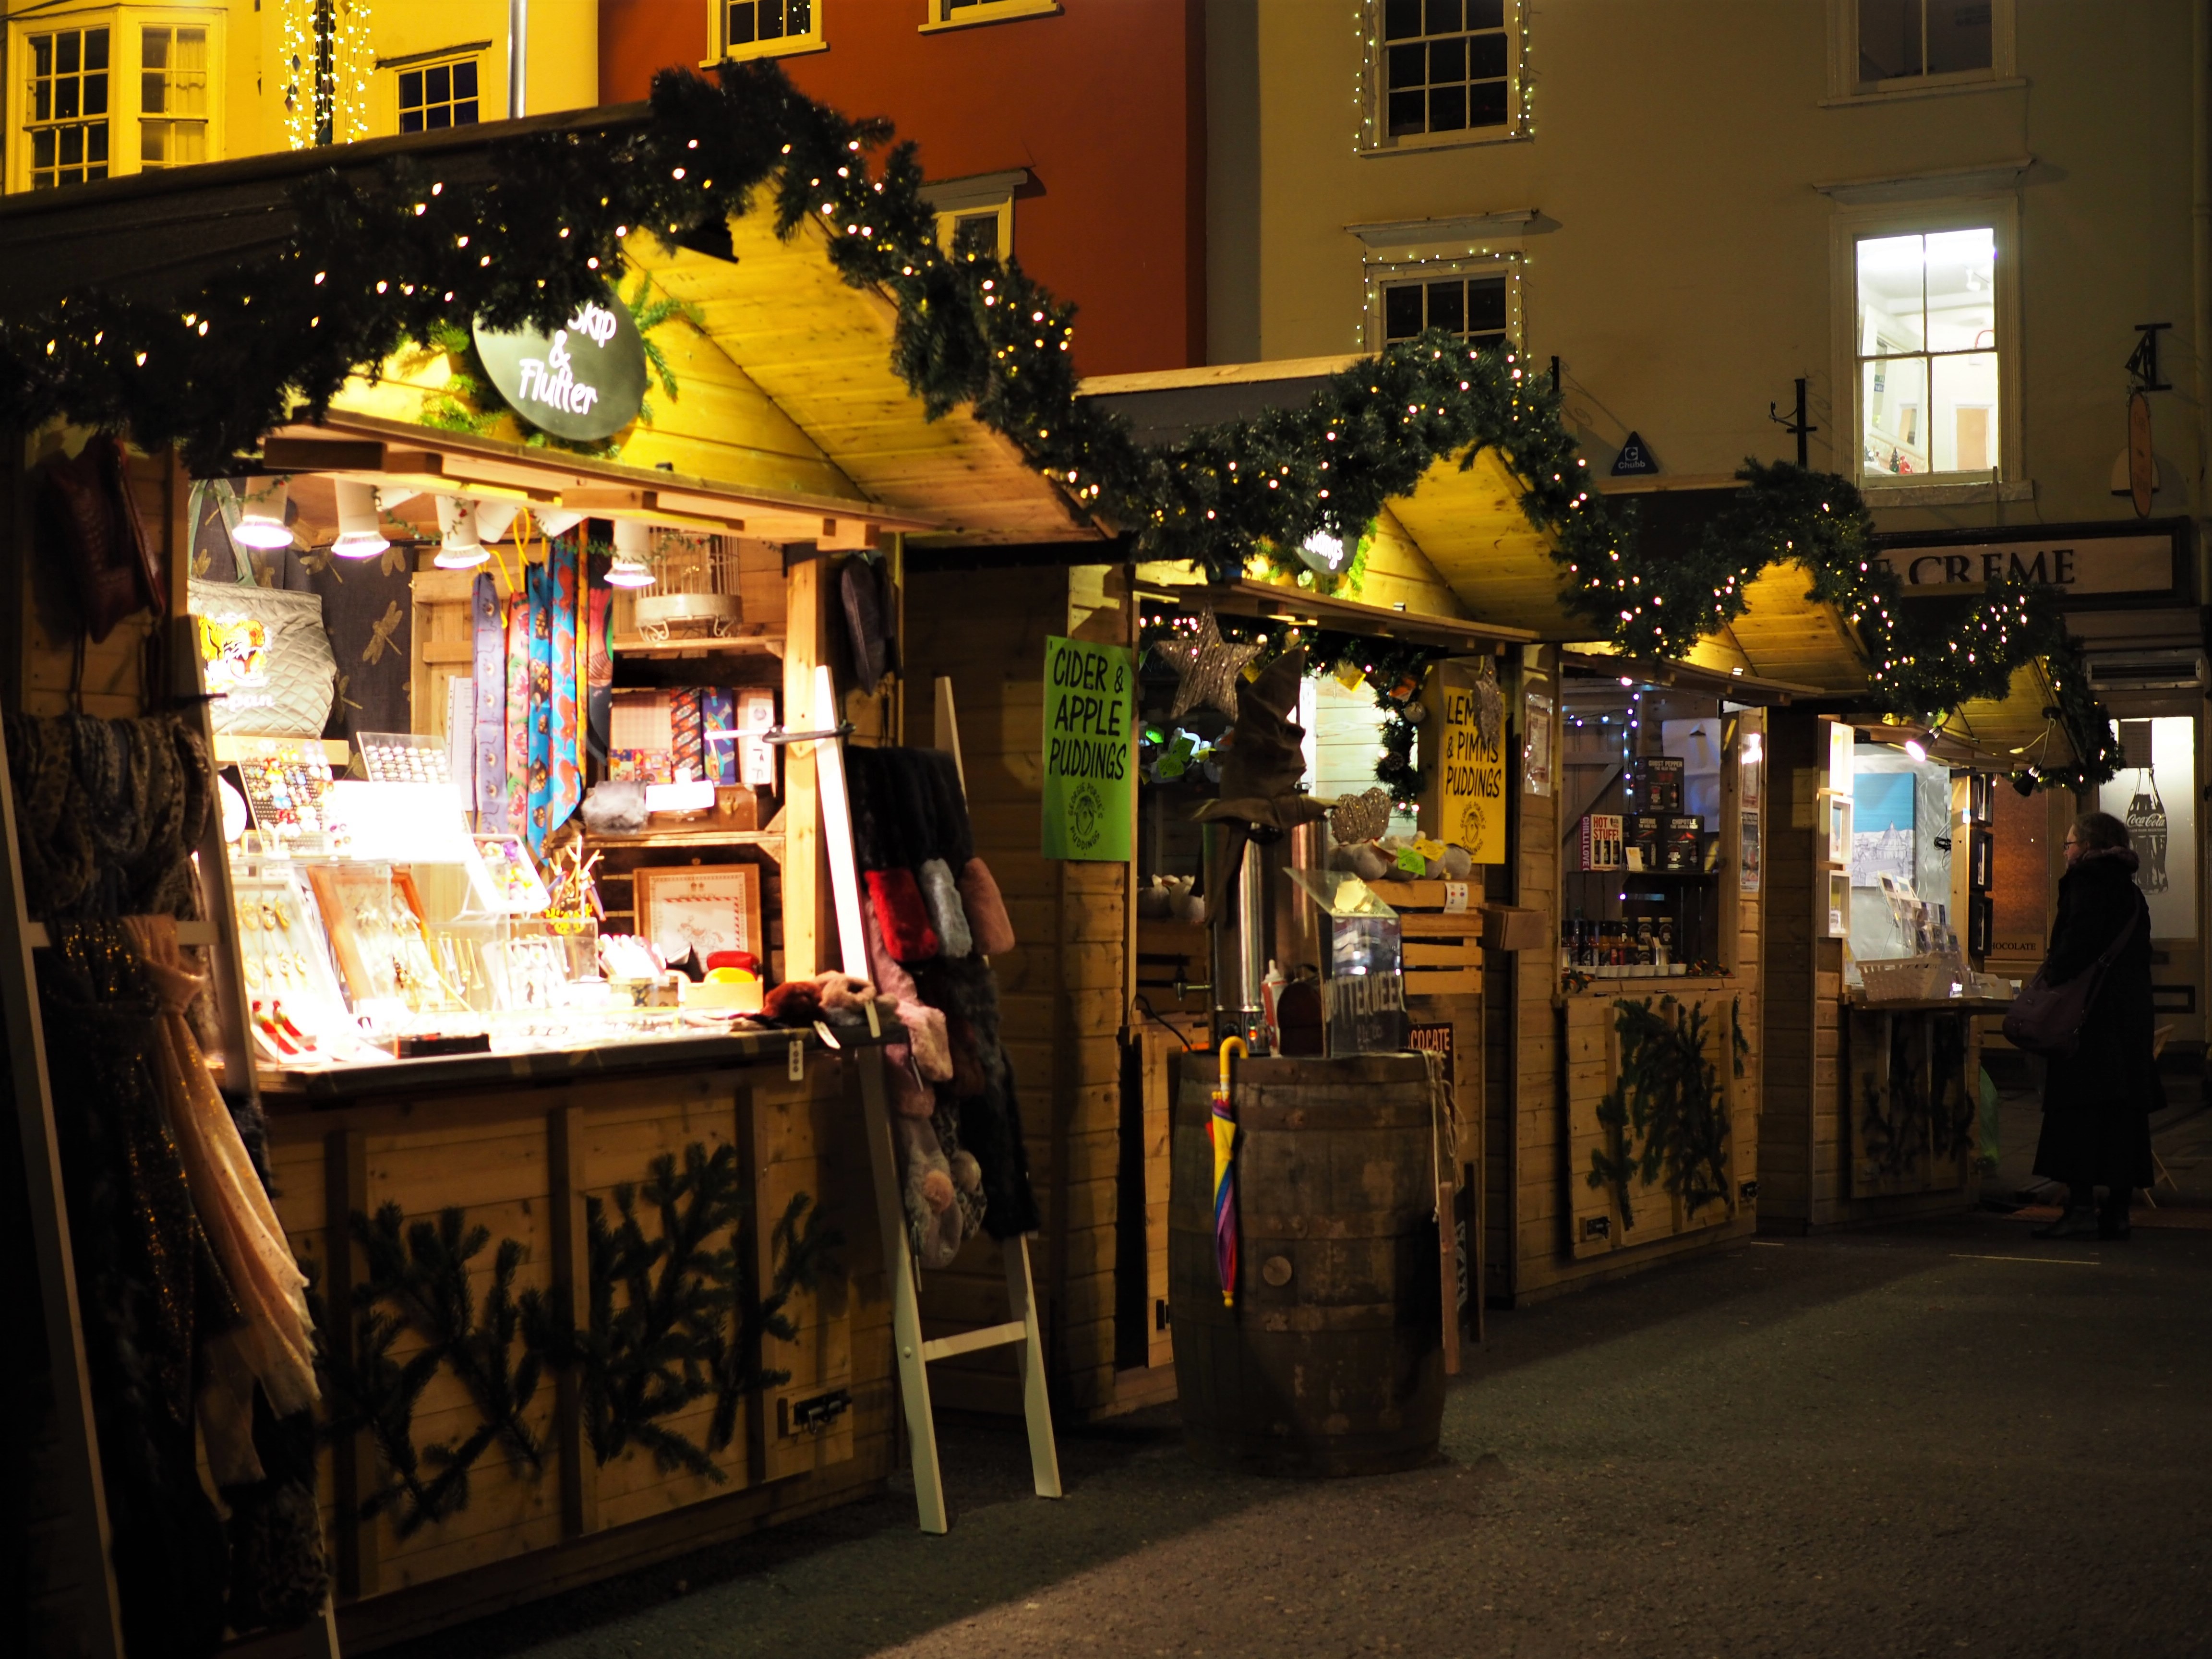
786,397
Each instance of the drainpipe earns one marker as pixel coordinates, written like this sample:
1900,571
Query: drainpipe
518,57
2201,298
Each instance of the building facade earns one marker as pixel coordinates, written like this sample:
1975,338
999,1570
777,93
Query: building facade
1071,136
103,91
1949,221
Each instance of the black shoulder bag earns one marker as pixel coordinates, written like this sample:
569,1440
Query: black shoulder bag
2045,1018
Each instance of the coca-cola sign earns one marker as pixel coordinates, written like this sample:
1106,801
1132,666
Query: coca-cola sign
583,382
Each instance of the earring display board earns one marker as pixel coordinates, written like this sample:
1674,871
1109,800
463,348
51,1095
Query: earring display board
704,907
288,790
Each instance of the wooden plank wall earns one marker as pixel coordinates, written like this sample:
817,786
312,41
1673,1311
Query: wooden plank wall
1804,969
1062,990
523,1161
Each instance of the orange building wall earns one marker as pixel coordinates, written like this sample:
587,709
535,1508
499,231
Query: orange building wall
1104,104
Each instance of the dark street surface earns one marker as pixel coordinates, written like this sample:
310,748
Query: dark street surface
1936,1439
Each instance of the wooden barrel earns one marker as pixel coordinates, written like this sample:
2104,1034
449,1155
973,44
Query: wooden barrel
1330,1362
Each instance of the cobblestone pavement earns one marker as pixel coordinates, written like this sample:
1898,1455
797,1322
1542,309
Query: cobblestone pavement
1930,1440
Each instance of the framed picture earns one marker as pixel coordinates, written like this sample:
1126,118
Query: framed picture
700,907
1840,904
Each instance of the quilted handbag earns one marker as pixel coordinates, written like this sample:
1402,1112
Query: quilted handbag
269,671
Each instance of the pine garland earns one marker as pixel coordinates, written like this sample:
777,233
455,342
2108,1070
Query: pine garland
370,268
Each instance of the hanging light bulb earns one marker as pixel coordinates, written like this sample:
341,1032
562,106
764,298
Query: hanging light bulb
633,542
1915,748
261,517
359,537
459,549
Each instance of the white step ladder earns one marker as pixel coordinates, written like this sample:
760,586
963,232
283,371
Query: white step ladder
914,1351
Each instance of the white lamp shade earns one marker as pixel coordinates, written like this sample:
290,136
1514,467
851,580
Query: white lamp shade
459,548
553,521
633,542
261,515
493,518
359,537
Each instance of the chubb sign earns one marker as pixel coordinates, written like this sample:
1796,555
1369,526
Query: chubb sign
583,382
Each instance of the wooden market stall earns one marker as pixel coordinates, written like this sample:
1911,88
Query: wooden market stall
1888,863
474,1462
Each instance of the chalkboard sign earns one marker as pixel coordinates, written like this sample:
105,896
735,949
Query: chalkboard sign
583,382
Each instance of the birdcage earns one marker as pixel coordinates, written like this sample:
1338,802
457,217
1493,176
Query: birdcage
693,595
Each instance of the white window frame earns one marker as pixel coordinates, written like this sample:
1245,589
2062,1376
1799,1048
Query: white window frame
790,45
125,64
388,71
1385,273
1846,90
1852,225
940,15
954,200
1373,91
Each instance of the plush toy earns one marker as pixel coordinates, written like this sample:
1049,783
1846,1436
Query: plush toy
986,911
795,1002
1457,863
947,914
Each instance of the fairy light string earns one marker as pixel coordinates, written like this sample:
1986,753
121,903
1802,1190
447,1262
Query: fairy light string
377,260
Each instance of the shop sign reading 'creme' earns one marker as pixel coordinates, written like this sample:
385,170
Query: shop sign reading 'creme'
584,382
2076,565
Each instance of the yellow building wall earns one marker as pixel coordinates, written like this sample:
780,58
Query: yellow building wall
250,48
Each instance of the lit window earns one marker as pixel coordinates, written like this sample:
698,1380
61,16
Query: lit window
1926,345
1472,308
437,95
171,97
1911,39
769,28
1445,68
68,106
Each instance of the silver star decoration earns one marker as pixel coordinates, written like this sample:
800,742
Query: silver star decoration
1207,668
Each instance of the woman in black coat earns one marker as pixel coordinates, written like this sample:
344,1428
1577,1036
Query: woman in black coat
2097,1102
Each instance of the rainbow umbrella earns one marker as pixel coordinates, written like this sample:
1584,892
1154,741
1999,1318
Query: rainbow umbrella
1223,1125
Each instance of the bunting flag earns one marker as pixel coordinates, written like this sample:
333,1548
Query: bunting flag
490,714
1222,1124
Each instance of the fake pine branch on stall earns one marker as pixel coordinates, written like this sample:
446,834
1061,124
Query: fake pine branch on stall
371,267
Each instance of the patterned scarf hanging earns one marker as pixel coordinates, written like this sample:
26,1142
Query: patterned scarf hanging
490,662
566,788
599,674
518,715
540,588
